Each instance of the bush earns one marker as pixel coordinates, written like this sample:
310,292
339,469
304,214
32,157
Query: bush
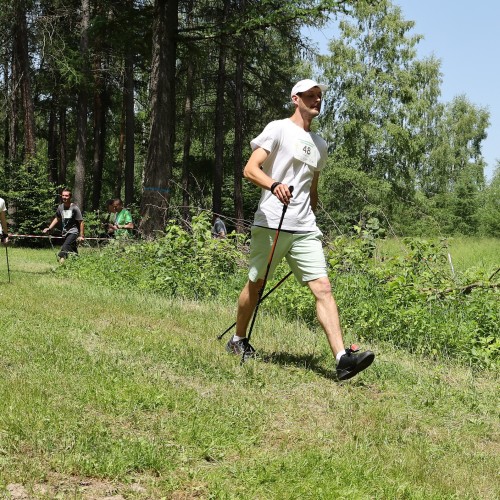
187,264
31,198
410,300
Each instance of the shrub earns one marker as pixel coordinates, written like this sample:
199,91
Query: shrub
411,300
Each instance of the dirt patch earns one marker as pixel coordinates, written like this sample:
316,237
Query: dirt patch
59,486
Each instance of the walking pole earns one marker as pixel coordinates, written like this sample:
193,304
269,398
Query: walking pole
7,257
53,249
219,337
261,291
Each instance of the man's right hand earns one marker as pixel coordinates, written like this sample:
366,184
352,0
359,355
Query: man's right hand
46,230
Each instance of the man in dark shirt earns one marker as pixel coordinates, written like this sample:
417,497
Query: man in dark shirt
70,217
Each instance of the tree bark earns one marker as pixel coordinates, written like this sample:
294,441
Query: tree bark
63,147
219,122
52,142
239,112
6,90
128,96
82,107
13,112
100,109
160,154
22,62
188,125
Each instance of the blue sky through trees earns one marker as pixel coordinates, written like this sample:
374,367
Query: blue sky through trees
463,36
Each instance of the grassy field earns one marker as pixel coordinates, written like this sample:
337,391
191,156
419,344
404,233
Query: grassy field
107,394
465,253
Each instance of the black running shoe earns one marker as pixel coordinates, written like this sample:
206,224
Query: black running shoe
353,362
240,347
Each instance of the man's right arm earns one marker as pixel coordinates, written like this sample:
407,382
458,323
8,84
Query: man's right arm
253,169
51,225
254,173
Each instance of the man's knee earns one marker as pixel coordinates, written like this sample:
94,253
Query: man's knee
254,287
320,288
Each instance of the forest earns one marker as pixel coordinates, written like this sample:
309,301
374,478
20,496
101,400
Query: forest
156,101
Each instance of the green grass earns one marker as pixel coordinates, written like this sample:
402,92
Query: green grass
465,252
118,393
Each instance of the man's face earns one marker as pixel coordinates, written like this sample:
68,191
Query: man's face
66,196
117,206
310,101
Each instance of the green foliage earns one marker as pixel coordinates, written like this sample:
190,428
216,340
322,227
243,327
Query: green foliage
31,197
415,301
189,264
392,142
410,298
489,211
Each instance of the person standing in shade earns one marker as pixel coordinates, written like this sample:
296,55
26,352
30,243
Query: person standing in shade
4,237
219,228
123,225
69,216
287,153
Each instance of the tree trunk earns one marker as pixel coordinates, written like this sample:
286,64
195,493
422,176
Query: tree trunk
160,154
6,139
100,107
63,147
128,96
13,113
6,122
81,118
52,143
188,125
22,61
219,122
121,155
239,112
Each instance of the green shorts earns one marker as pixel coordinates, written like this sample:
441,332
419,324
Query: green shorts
303,252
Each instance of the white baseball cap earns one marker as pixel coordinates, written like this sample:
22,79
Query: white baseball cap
307,84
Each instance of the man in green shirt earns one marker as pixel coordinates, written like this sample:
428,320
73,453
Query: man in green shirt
123,225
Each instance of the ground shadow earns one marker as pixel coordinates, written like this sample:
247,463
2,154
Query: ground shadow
306,361
24,271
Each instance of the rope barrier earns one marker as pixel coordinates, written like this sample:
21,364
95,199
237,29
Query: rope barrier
53,237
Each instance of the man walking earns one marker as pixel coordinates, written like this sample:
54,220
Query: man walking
287,154
70,217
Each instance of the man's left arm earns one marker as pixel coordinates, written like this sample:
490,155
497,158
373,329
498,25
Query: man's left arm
314,191
81,230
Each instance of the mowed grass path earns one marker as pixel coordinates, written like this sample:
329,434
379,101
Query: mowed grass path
122,395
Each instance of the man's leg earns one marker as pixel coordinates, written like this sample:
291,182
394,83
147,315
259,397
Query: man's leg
246,306
238,344
327,312
349,361
68,246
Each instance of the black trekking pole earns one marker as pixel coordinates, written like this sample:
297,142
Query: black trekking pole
219,337
53,249
262,288
7,257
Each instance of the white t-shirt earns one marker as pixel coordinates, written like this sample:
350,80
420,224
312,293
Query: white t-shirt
294,156
3,208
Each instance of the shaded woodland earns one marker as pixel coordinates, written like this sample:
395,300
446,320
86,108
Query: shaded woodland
157,101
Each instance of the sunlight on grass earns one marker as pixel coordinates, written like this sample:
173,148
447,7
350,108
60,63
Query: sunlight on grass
131,394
